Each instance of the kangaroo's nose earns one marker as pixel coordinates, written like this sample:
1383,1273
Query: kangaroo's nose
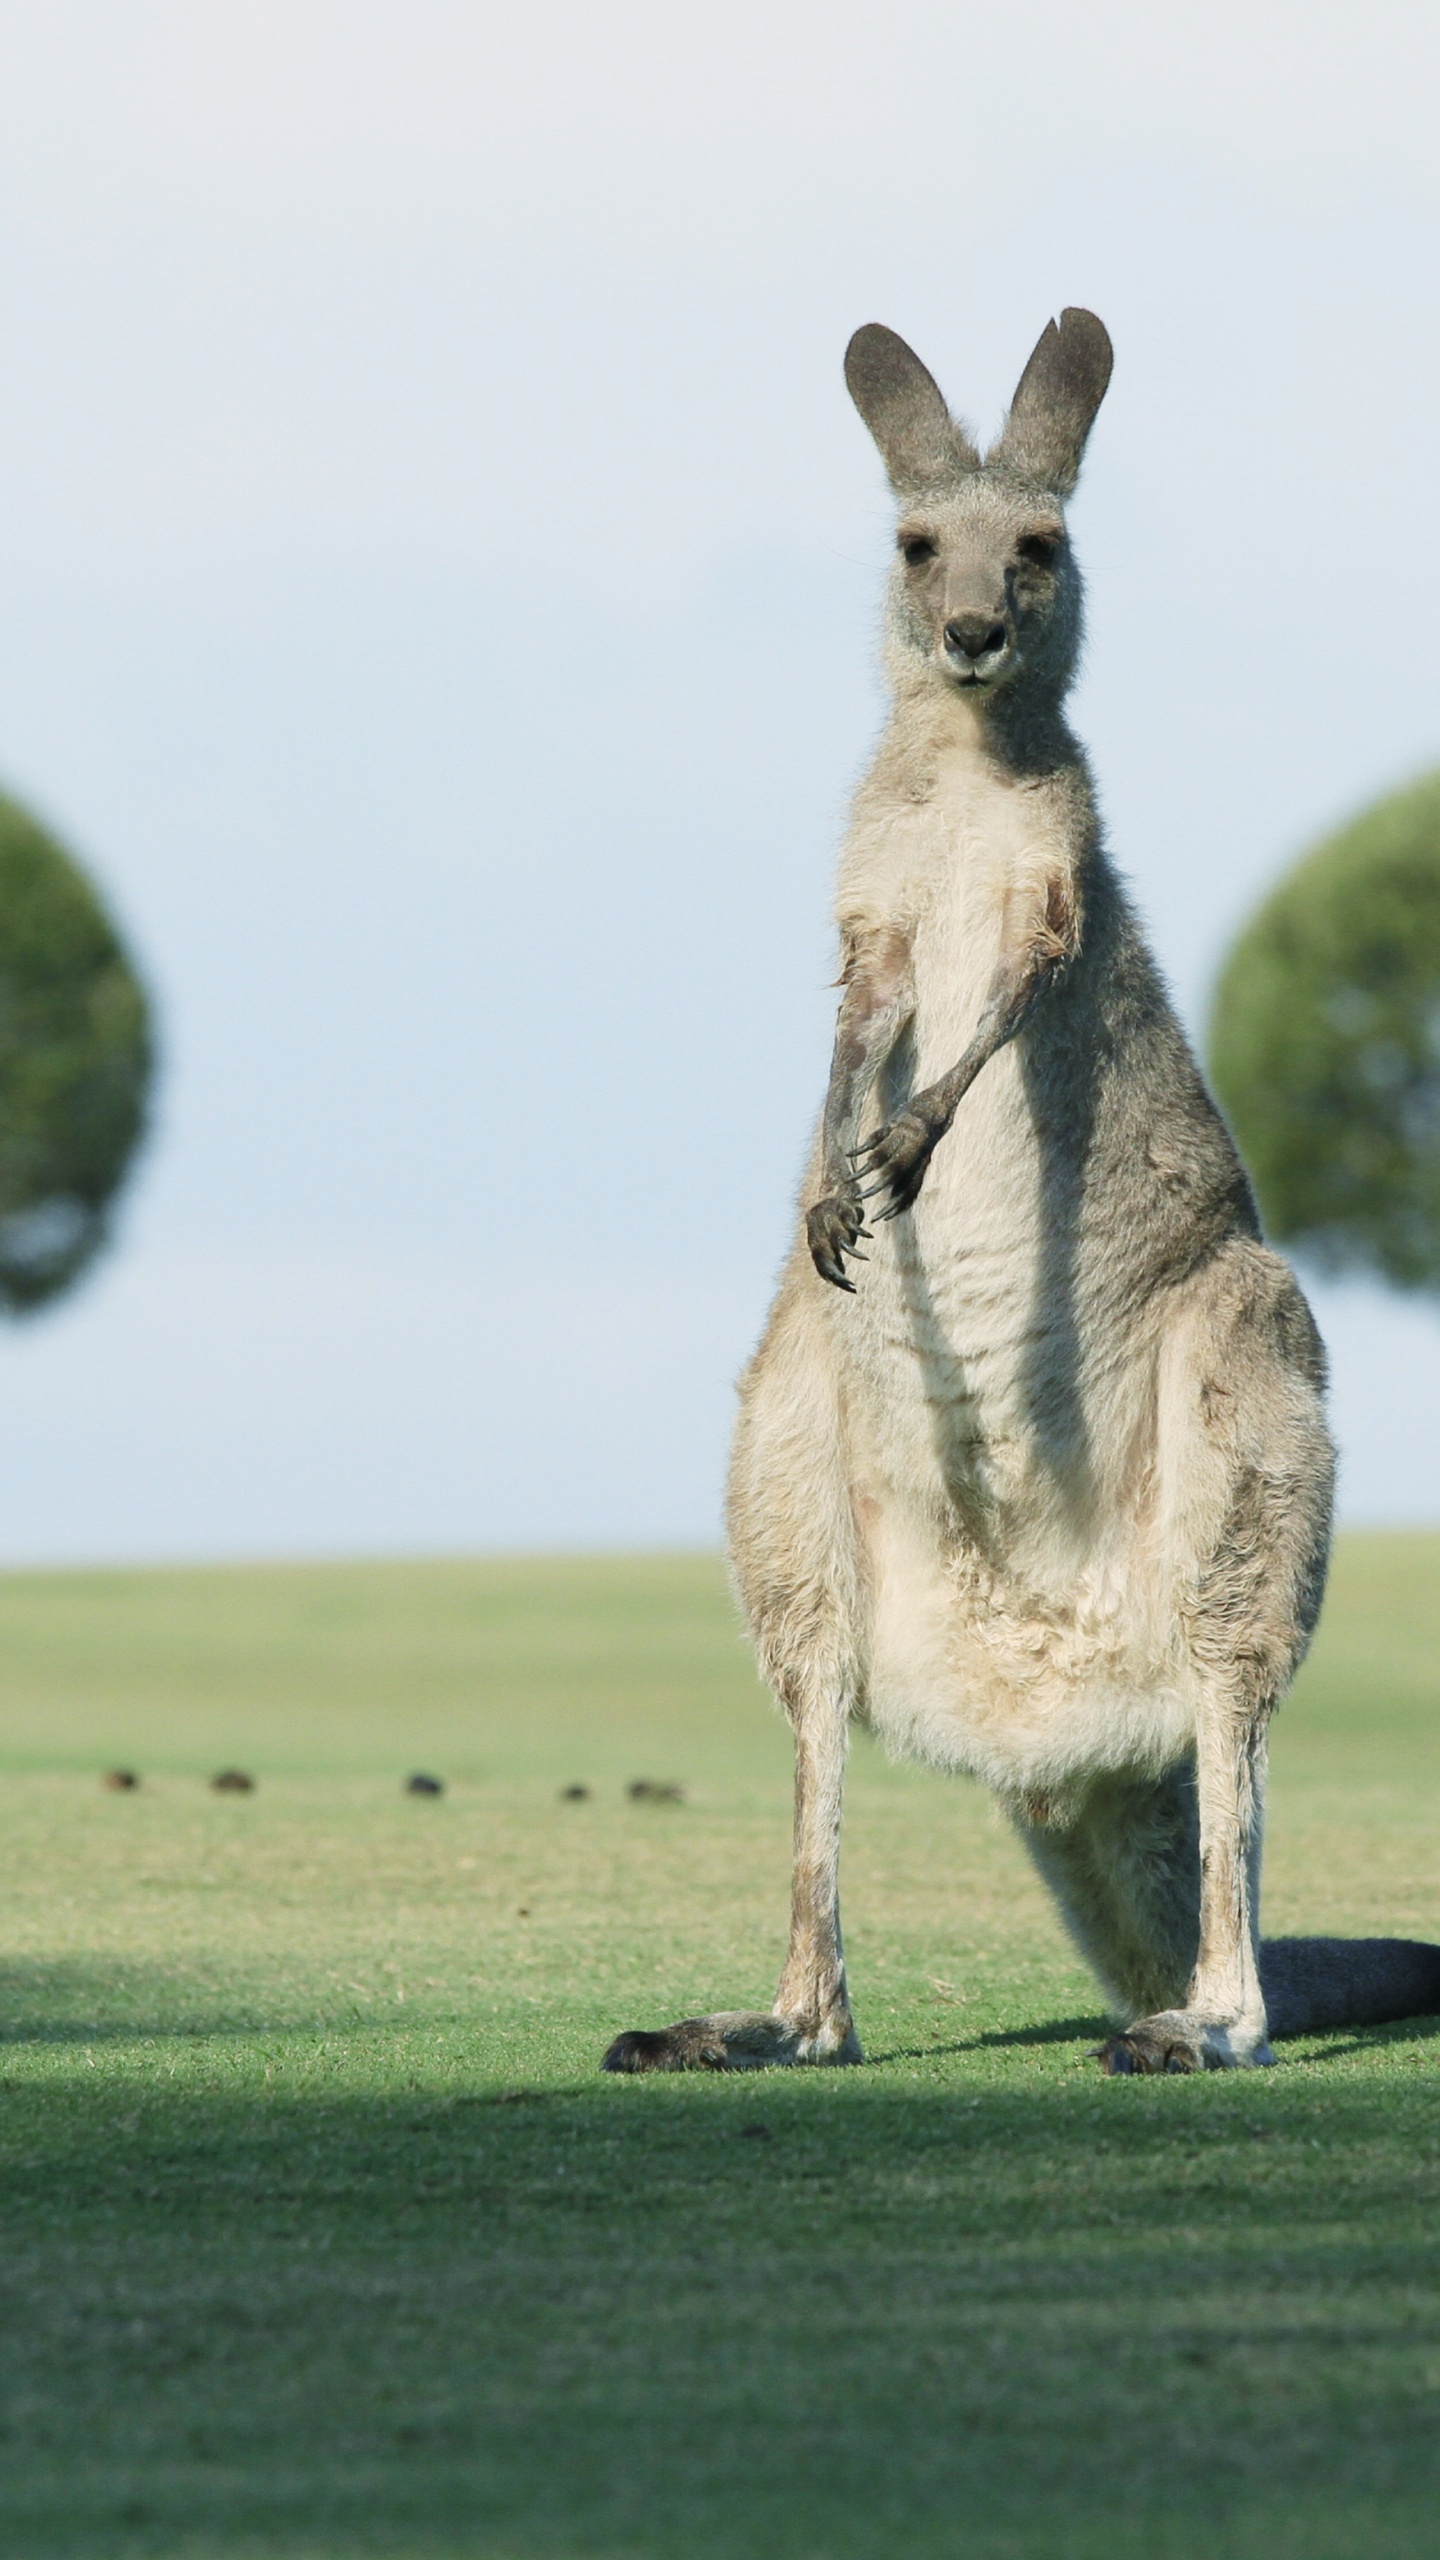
974,635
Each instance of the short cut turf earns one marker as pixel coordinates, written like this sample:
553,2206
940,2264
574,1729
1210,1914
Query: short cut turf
322,2234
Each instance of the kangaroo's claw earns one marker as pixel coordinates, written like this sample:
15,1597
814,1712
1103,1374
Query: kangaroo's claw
831,1229
1121,2057
898,1156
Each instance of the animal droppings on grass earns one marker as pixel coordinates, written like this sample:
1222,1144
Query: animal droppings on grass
575,1795
756,2133
233,1782
422,1784
655,1791
120,1781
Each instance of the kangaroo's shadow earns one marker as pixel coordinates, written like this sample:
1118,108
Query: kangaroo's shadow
1361,2039
1052,2031
1061,1094
1079,2030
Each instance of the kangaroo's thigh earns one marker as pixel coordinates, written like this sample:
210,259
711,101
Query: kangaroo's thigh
790,1513
1243,1476
1245,1469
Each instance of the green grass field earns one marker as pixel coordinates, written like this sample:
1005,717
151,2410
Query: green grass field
323,2236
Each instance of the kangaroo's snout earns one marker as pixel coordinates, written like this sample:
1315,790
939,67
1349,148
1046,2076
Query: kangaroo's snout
975,643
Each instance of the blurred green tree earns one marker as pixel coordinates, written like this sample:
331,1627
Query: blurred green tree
76,1055
1325,1045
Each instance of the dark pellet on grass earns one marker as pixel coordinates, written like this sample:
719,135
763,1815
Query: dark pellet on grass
575,1795
655,1791
120,1781
755,2133
423,1785
233,1782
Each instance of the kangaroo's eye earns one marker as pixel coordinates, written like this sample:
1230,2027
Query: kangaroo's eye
1038,548
918,548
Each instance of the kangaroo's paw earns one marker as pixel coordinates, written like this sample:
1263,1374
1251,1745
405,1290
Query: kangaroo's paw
734,2040
1179,2040
833,1228
897,1156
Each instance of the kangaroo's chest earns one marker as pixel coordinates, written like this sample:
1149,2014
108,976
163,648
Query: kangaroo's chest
976,1226
968,1325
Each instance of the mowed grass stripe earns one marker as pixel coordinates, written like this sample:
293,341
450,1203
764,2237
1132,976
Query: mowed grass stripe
320,2234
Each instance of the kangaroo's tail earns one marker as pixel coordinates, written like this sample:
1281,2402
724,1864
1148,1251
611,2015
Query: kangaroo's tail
1312,1983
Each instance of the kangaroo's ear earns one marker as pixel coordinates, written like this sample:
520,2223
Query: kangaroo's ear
1054,406
921,445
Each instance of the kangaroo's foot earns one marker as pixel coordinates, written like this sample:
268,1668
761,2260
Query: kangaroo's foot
1182,2040
733,2040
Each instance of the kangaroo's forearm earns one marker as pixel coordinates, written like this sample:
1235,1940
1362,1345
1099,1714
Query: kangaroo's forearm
1014,992
853,1070
1039,938
872,1011
1040,933
876,1002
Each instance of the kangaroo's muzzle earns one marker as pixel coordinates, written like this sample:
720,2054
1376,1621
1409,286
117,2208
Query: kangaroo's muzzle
975,646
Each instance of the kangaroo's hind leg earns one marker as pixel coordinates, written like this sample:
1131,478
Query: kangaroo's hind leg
810,2021
1245,1473
792,1545
1125,1870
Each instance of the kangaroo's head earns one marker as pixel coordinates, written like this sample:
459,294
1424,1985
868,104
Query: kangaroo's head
985,593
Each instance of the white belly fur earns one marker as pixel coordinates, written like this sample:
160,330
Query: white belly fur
1067,1660
968,1673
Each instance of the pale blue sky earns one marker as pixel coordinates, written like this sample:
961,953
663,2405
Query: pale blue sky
439,570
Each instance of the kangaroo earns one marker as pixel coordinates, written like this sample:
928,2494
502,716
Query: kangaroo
1045,1495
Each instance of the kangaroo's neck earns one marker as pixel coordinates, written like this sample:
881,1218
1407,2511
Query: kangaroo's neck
1007,739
